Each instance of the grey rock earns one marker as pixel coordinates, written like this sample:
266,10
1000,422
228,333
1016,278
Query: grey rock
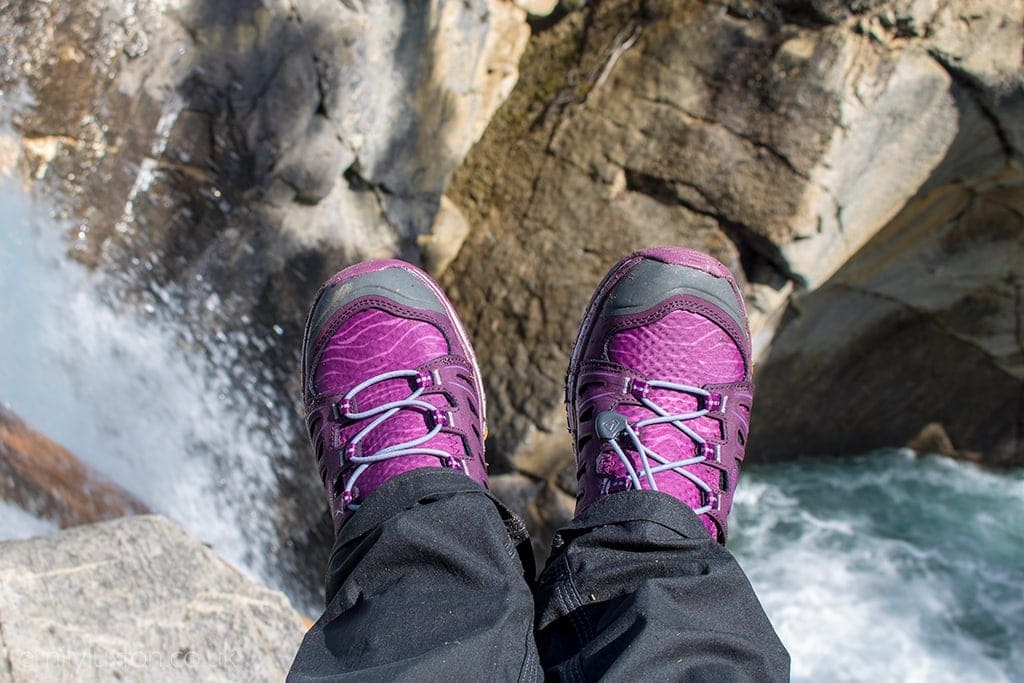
313,165
137,599
921,327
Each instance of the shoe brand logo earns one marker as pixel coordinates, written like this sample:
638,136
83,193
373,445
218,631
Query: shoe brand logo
610,424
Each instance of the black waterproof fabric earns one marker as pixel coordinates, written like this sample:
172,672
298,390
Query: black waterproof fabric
433,579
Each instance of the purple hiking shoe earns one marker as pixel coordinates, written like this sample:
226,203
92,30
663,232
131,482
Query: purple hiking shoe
389,381
659,386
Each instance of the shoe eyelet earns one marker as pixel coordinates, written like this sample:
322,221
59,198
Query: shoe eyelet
711,451
639,388
351,451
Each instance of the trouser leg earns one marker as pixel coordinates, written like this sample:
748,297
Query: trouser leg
426,582
637,589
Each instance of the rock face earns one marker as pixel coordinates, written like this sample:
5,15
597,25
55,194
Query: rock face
44,479
314,112
923,326
136,599
864,155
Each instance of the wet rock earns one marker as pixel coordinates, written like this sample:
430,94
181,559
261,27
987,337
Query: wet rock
933,439
137,599
47,481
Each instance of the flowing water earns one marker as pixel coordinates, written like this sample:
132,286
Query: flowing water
879,567
121,391
888,566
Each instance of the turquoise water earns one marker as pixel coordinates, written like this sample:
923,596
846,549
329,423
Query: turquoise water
888,566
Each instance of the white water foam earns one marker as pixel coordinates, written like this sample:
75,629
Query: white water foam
16,524
888,566
122,393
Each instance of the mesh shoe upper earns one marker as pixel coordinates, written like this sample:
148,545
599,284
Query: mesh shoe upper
390,383
659,386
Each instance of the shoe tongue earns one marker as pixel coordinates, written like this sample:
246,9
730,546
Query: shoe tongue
682,347
374,342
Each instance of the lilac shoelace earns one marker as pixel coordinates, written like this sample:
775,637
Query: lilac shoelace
382,413
611,424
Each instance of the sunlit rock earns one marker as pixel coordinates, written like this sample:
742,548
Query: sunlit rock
137,599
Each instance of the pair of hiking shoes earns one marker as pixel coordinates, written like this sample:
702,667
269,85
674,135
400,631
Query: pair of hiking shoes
658,390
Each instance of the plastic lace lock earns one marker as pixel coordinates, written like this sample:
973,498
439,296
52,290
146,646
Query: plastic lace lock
714,403
610,424
341,409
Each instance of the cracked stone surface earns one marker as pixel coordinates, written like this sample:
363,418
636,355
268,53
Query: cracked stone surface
136,599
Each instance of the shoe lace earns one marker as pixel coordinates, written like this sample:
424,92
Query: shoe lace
380,414
612,424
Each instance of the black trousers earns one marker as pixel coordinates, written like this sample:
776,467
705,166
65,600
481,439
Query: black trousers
433,580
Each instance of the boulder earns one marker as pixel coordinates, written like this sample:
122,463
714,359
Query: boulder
137,599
